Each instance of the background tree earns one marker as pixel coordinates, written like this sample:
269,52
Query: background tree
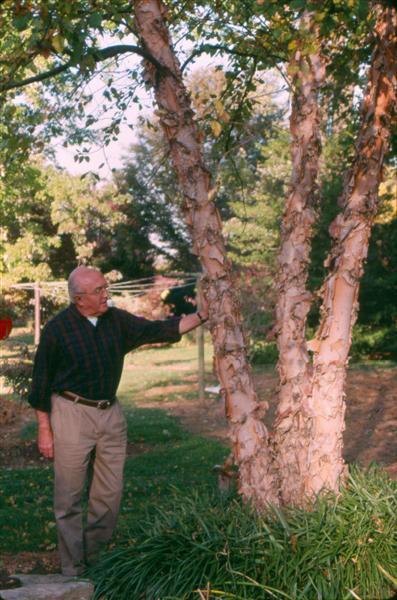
52,220
152,209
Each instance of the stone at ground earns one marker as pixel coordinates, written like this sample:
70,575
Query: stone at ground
49,587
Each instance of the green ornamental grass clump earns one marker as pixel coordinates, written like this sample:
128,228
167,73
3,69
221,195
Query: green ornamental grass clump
212,546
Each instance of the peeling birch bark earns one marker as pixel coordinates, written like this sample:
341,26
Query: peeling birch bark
251,451
292,424
351,232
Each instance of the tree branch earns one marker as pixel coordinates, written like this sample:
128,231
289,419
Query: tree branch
221,47
40,77
98,55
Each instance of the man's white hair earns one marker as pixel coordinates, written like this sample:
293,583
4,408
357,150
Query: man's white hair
74,279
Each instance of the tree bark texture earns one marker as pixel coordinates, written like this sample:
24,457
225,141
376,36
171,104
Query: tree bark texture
251,450
350,232
292,424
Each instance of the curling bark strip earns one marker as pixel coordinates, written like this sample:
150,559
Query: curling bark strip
294,300
350,232
249,435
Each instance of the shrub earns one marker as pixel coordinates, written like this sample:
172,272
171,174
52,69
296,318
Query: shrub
374,343
51,305
368,343
344,547
16,304
18,375
263,353
257,306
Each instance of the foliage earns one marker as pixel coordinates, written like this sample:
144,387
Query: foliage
374,343
257,307
153,232
54,220
250,184
216,544
63,45
19,139
19,304
84,213
7,307
255,187
51,304
370,342
262,352
18,375
378,286
256,36
28,236
60,43
252,181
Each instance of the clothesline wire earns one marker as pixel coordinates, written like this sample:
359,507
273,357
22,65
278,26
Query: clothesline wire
135,286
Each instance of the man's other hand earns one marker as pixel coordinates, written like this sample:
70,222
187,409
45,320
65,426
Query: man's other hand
46,442
45,439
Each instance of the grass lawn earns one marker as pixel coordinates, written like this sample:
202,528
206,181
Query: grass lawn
166,462
163,454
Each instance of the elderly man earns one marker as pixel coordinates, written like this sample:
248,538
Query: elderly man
76,373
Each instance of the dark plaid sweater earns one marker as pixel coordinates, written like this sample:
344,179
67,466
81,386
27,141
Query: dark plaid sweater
77,356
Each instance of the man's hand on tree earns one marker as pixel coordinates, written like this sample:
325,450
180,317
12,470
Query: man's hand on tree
202,305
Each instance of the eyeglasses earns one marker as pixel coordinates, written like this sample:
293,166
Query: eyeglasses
99,290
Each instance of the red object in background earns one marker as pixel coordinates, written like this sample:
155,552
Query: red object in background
5,327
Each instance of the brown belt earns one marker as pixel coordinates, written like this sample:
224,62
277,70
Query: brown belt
101,404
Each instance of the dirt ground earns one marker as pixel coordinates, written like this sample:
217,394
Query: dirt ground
371,414
370,435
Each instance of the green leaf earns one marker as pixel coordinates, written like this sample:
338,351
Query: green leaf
95,20
21,23
298,4
58,43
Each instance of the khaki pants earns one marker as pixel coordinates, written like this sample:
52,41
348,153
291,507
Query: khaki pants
78,430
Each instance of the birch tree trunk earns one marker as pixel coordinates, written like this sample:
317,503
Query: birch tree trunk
350,232
251,451
309,424
292,424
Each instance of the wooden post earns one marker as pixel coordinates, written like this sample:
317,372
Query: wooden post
201,364
200,346
36,313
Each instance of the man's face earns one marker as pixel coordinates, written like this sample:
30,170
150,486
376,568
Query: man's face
93,296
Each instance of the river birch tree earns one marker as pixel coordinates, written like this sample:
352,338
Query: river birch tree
350,232
303,455
251,450
307,73
306,450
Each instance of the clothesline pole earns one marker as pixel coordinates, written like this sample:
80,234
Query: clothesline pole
201,373
36,313
201,360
